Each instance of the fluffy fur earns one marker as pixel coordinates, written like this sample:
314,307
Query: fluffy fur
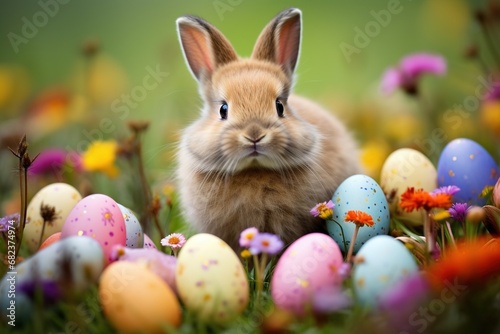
256,168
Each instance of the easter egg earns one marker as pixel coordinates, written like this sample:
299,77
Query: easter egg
158,262
50,240
64,269
135,300
361,193
309,264
148,243
135,237
60,197
211,280
405,168
467,165
97,216
382,263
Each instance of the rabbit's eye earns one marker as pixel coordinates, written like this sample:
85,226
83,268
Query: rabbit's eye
223,110
279,108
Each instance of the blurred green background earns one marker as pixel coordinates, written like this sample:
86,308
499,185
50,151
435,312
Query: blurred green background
59,95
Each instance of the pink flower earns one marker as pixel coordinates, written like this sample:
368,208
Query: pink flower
409,70
323,210
174,240
247,236
266,243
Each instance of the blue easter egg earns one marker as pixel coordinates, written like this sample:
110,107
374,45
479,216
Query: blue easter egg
362,193
467,165
384,262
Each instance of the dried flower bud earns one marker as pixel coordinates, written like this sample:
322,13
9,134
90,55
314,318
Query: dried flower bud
26,160
48,213
496,194
138,126
492,220
472,51
90,47
475,215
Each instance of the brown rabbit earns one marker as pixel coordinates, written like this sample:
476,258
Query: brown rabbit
257,156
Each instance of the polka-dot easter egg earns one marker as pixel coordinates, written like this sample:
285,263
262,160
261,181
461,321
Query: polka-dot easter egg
405,168
361,193
135,237
60,197
148,243
97,216
313,262
210,279
382,263
467,165
136,300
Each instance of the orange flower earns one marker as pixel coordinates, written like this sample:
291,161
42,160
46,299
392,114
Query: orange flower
413,199
442,201
472,262
359,218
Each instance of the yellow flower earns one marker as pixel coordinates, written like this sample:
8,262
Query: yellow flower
441,215
245,254
100,156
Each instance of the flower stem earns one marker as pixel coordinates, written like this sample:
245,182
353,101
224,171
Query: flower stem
351,246
448,227
258,278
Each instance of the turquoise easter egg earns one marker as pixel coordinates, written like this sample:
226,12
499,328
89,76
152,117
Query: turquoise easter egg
361,193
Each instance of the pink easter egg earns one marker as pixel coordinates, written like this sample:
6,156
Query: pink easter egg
97,216
148,243
311,264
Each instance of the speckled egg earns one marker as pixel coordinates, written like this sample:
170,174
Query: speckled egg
211,280
148,243
467,165
381,263
60,196
405,168
97,216
65,269
362,193
313,262
135,237
135,300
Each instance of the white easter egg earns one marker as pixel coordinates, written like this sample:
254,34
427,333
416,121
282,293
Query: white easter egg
135,237
60,196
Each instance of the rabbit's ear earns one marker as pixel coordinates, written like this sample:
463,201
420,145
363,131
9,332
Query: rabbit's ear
279,42
204,47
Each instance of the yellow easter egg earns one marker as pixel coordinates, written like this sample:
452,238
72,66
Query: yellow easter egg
211,281
136,300
405,168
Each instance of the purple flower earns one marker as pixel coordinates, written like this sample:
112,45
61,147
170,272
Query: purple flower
450,190
458,211
404,299
5,222
410,68
265,243
247,236
493,93
329,299
49,289
52,161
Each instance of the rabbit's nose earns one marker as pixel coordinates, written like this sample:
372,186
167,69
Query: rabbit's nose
254,140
